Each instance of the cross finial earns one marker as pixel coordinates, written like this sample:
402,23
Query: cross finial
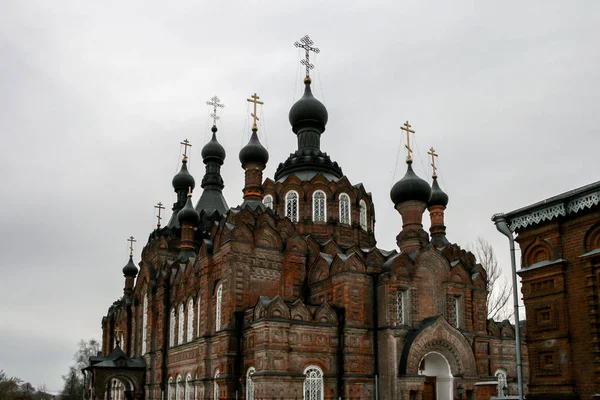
214,102
160,207
254,99
433,155
406,128
306,44
186,143
189,194
131,241
118,332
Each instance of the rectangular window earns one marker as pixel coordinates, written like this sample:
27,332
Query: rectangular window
457,312
401,307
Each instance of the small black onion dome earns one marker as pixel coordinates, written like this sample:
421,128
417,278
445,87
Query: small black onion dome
183,180
410,187
213,149
438,197
188,213
130,269
254,152
308,111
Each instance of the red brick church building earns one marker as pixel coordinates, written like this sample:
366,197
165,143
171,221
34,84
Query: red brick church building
287,296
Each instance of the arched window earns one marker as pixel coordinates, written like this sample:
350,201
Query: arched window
268,201
291,205
345,209
170,389
190,320
502,382
218,308
178,389
363,215
145,324
313,383
319,206
172,328
188,387
216,386
198,314
180,331
250,384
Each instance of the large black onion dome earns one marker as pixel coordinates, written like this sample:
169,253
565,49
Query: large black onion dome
308,112
254,152
438,197
188,214
213,149
183,180
410,187
130,269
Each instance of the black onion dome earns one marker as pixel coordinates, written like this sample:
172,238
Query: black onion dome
213,149
254,152
188,214
308,112
183,180
130,269
410,187
438,197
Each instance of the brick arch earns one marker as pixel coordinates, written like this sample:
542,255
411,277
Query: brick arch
437,335
133,380
592,238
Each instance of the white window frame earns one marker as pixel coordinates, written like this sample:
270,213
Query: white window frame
402,307
250,384
178,386
216,386
313,387
145,324
268,201
343,199
363,215
218,307
315,207
173,321
457,312
291,197
180,324
170,389
198,316
190,320
502,378
186,392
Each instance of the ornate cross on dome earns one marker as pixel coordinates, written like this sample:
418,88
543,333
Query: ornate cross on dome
131,241
189,191
160,207
433,155
186,144
254,99
214,101
307,46
406,128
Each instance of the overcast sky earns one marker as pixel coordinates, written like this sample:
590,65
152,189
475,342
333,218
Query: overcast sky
95,98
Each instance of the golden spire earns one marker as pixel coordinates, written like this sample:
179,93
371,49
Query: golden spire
160,207
254,99
186,144
408,131
433,155
131,241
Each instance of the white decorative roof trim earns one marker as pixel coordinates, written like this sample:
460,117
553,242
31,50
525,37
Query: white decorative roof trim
558,210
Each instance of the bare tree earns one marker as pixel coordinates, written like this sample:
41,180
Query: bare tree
8,385
498,289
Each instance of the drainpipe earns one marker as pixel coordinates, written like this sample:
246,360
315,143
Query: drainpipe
500,222
375,322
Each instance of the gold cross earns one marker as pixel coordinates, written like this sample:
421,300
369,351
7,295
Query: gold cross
160,207
254,99
431,152
186,144
189,191
408,131
131,240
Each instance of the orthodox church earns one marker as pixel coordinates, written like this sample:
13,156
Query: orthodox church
288,296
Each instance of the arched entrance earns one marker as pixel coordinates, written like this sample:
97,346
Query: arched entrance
119,388
439,381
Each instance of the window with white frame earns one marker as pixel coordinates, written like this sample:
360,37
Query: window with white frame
268,201
188,387
401,307
145,324
198,315
216,386
180,331
218,308
178,389
170,388
502,382
172,328
319,206
457,312
345,209
363,215
190,320
291,205
250,384
313,383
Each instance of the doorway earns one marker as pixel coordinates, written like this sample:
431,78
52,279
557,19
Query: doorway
439,380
